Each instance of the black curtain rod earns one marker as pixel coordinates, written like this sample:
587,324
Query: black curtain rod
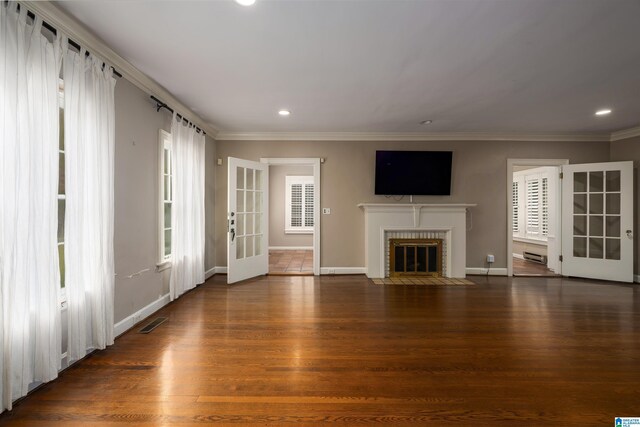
48,26
160,105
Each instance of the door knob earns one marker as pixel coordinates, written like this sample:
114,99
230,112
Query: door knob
630,234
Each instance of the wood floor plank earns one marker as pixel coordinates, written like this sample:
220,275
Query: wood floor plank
310,351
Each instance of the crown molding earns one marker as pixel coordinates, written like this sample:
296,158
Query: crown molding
626,133
406,136
76,31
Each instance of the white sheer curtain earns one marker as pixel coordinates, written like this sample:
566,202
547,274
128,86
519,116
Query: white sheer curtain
30,344
187,211
89,118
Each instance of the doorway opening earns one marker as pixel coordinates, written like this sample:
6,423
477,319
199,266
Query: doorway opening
294,213
534,217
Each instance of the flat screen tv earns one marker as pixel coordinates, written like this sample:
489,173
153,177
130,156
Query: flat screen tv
413,173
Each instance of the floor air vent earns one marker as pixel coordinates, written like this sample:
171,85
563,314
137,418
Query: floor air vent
151,326
530,256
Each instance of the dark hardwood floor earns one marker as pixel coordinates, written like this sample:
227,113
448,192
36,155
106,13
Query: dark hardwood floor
306,351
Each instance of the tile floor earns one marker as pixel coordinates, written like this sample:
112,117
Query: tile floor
290,261
531,269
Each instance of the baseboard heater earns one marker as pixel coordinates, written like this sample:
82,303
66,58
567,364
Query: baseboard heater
530,256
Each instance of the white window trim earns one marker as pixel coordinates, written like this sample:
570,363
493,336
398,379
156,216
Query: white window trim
164,142
289,181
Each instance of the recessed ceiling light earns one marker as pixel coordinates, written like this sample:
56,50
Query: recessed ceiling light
246,2
603,112
284,112
426,122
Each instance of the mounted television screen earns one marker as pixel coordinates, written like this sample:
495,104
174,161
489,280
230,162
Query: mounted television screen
413,173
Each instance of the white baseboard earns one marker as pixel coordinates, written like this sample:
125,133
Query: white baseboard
220,270
128,322
209,273
493,271
291,248
519,256
342,270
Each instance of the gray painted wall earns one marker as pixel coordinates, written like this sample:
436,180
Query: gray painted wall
277,196
347,178
136,200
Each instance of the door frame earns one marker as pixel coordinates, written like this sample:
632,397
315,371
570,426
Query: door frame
530,162
315,163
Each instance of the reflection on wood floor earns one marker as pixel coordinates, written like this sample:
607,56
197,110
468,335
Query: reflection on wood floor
311,351
292,262
522,267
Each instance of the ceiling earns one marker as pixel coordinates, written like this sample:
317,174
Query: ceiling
383,66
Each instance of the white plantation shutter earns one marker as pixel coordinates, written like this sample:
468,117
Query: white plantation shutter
515,208
296,205
533,206
299,204
545,206
308,205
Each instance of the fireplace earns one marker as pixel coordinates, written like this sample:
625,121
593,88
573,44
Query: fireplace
386,221
415,257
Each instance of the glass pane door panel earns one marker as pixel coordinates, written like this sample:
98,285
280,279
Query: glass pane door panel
249,179
596,225
258,185
249,224
250,201
240,178
258,201
249,244
596,204
595,247
613,249
613,226
580,225
580,182
239,247
258,245
258,223
240,200
240,225
596,182
580,247
579,203
613,203
613,181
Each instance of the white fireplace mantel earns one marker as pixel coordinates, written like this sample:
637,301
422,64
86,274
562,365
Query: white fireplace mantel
383,217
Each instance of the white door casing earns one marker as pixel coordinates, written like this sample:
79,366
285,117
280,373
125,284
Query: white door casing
597,221
247,219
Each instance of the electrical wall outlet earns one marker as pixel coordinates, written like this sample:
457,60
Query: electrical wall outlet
491,259
326,211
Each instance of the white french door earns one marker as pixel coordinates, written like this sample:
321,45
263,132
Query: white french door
597,221
247,219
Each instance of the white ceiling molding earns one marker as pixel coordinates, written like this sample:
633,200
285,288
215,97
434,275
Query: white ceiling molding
406,136
626,133
81,35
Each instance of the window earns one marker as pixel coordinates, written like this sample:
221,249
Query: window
299,204
515,199
531,204
61,189
166,196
